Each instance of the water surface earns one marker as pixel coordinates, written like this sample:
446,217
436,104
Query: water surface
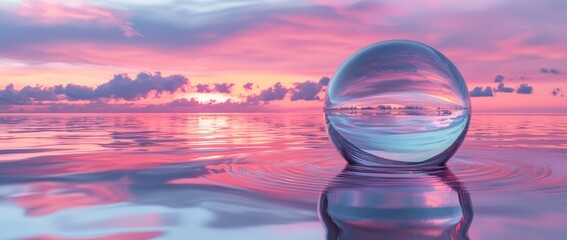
263,176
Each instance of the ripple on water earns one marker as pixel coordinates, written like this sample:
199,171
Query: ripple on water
311,176
284,176
510,174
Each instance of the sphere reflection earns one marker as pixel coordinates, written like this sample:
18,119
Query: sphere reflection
371,204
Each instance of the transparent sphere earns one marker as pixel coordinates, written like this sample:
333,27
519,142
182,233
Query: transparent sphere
397,104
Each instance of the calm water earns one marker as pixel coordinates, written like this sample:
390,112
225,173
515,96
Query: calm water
270,176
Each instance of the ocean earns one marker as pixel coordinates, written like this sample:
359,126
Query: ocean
270,176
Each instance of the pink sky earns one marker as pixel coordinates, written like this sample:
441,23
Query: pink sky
86,43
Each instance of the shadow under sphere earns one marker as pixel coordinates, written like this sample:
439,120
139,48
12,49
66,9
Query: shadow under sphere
362,203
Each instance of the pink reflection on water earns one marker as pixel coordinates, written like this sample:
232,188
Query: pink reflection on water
44,198
273,165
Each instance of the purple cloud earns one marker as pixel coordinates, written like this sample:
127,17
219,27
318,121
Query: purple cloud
11,96
479,92
27,95
39,93
524,88
502,88
499,78
224,87
557,92
306,91
78,92
550,71
248,86
276,92
217,87
123,87
203,88
120,87
324,81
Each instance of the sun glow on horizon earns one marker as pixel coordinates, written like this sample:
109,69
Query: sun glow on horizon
211,97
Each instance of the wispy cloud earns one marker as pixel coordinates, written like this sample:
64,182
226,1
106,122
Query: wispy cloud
73,12
557,92
550,71
282,37
238,41
248,86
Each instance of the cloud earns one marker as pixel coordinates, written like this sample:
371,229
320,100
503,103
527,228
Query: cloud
224,87
217,87
321,30
78,92
306,91
324,81
39,93
479,92
50,13
502,88
550,71
499,78
11,96
276,92
557,92
183,102
120,87
524,88
27,95
123,87
203,88
248,86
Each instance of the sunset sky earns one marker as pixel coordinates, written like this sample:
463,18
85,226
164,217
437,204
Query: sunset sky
249,55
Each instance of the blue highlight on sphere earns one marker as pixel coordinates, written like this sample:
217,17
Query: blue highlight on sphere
397,104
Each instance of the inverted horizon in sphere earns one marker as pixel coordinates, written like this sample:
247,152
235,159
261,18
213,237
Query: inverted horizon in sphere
397,104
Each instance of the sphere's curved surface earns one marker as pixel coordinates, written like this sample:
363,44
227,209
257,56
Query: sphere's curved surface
397,104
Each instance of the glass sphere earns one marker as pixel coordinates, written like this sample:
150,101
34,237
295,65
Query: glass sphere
397,104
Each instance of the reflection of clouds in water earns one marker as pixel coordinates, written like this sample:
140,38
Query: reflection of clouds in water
84,175
376,204
106,201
